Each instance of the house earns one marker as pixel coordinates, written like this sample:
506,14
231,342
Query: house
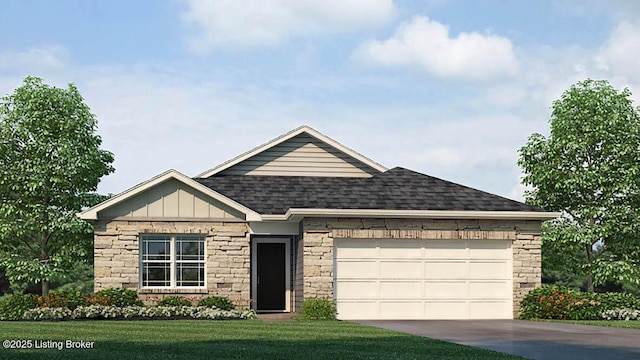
303,216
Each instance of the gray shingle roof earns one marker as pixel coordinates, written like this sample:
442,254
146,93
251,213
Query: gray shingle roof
395,189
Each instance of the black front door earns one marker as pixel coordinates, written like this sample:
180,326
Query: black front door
271,276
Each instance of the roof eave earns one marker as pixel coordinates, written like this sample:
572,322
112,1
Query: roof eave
298,214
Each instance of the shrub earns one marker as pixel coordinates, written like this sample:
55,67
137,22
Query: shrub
546,302
78,288
611,301
119,297
47,313
53,300
552,302
12,307
73,297
96,299
318,309
621,314
174,301
218,302
137,312
584,308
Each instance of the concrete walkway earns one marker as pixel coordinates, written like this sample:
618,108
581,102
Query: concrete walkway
531,339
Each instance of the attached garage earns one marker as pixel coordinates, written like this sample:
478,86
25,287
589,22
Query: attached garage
423,279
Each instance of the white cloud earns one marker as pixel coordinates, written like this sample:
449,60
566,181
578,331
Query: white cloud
259,23
428,45
618,9
36,57
619,56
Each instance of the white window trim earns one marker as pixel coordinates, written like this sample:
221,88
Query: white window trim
172,247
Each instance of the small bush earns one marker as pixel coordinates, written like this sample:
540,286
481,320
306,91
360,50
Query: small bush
552,302
612,301
47,313
12,307
174,301
318,309
119,297
52,300
96,299
621,314
217,302
546,302
73,297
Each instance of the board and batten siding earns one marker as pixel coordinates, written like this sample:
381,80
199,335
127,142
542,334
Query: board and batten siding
302,155
171,199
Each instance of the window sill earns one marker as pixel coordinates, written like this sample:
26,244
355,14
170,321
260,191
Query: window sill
174,291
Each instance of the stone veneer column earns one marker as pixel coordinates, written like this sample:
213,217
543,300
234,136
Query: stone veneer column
527,267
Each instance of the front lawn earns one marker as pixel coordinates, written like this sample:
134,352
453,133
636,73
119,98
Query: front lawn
249,339
632,324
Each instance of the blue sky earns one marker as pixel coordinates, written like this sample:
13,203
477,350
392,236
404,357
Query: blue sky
448,88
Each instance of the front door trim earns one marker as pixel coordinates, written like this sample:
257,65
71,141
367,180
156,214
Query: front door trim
287,273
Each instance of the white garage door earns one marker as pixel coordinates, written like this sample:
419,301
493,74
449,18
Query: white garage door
423,279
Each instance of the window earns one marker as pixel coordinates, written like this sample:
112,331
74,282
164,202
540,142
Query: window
172,261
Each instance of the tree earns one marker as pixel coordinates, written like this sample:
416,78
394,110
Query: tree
589,169
51,165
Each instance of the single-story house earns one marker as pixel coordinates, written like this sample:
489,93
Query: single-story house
303,216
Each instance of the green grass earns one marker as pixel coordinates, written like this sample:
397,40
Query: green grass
632,324
252,339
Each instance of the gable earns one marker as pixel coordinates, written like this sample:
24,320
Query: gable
171,199
300,152
169,195
302,155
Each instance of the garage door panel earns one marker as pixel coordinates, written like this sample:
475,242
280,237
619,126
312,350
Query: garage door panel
348,310
423,279
357,289
401,290
358,269
490,310
390,269
447,290
400,248
446,249
488,249
358,249
489,270
449,310
489,290
401,310
447,269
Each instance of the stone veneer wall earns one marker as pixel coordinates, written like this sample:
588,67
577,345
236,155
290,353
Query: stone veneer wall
298,282
318,235
117,257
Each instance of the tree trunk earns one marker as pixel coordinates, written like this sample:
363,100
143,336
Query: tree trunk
590,286
45,287
44,259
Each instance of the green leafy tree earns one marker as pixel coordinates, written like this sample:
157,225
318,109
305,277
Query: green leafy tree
589,169
51,164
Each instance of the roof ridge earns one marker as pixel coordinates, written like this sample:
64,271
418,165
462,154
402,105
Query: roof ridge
290,134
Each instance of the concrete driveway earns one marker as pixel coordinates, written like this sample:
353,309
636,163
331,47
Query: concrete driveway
531,339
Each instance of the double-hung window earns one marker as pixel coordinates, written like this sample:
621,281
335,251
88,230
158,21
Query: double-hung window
172,261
